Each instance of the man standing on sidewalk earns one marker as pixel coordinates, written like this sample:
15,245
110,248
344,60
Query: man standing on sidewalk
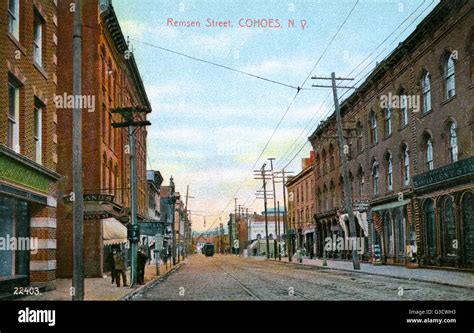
119,263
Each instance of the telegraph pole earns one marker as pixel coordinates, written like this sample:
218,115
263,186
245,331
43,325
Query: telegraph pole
283,174
186,231
262,175
343,150
278,228
78,203
274,207
128,114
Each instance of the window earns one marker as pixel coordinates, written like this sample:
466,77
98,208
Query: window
38,39
406,166
388,122
318,166
331,158
426,88
453,142
450,227
14,18
324,162
359,137
449,77
37,132
403,110
373,128
375,175
429,216
389,172
360,178
13,137
429,154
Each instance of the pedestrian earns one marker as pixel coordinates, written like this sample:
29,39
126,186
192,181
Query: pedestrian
112,264
142,258
299,256
119,263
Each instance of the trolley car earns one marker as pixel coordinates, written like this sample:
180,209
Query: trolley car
208,249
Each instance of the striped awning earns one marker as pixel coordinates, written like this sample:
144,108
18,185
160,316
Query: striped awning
113,232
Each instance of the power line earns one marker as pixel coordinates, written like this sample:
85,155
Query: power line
217,65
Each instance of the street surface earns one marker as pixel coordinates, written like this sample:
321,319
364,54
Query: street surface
234,278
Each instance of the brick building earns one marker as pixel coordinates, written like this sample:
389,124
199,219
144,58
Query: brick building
110,80
411,159
301,206
28,142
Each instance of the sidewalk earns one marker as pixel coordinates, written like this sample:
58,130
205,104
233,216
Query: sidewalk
446,277
100,289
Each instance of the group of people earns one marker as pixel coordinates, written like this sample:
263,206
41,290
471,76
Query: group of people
118,266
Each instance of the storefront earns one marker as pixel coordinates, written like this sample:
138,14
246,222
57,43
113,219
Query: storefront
445,205
27,223
392,233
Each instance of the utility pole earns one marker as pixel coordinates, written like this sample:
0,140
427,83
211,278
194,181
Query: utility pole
274,208
286,229
262,175
278,228
128,114
78,203
173,217
186,220
343,151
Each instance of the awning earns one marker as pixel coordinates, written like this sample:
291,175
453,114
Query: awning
113,232
308,230
391,205
361,219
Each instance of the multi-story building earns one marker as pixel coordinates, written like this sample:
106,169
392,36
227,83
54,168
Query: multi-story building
301,207
111,79
411,157
28,143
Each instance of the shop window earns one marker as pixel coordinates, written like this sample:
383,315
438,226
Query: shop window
387,234
467,206
450,227
430,227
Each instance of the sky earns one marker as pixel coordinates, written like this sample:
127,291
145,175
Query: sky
210,124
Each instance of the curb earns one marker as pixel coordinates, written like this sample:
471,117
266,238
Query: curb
151,284
371,273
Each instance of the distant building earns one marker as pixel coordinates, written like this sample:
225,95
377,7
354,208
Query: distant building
301,196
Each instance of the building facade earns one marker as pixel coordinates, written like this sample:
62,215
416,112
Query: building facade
111,80
411,148
301,207
28,144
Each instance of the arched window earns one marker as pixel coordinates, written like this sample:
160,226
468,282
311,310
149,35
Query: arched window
426,88
449,77
450,239
453,142
333,196
375,176
331,158
318,166
359,131
373,128
389,161
388,121
403,109
429,153
429,216
326,198
360,180
324,161
405,165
